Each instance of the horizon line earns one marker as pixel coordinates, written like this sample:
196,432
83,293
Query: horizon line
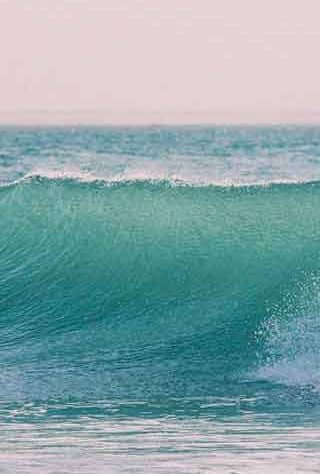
151,124
157,117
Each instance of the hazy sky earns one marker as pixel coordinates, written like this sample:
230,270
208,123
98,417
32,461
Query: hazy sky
159,60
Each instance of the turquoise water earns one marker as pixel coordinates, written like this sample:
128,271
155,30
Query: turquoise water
159,299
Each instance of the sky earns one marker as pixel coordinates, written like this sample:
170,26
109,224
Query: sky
159,61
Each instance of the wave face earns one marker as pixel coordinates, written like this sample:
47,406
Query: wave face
146,288
141,286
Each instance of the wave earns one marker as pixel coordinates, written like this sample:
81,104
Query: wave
146,288
143,176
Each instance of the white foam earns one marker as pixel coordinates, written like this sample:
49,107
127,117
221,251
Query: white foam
143,175
291,338
304,370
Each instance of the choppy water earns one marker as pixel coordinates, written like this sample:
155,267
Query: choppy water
159,300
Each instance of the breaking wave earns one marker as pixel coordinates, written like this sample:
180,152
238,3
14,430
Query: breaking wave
144,288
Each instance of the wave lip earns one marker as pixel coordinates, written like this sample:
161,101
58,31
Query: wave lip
131,178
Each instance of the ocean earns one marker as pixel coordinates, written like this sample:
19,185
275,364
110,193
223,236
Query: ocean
159,299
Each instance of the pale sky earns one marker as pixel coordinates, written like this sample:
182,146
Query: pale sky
159,60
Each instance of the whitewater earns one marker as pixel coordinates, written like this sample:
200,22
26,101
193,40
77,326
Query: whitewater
159,299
